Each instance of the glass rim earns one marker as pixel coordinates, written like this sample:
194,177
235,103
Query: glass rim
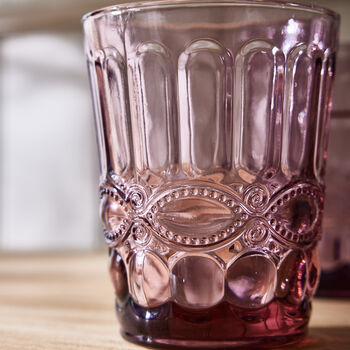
146,5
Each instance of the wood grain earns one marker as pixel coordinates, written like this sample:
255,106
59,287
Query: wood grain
65,302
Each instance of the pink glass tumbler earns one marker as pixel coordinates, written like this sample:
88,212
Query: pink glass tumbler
211,122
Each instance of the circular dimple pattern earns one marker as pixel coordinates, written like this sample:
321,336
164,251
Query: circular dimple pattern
292,273
119,277
197,282
149,279
251,281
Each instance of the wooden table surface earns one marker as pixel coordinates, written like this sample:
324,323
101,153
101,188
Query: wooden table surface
65,301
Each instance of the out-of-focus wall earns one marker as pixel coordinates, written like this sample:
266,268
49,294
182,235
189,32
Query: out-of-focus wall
49,166
49,173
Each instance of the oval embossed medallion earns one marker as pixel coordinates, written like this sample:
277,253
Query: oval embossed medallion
294,214
114,215
196,216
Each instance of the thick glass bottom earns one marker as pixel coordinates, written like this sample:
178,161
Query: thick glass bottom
221,326
258,343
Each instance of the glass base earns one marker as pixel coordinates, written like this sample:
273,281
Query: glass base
258,343
221,326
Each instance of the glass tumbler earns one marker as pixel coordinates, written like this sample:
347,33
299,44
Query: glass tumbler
211,122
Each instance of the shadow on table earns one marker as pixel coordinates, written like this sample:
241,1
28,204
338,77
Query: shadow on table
330,338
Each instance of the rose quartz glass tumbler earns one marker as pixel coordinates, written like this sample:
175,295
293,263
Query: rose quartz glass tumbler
211,122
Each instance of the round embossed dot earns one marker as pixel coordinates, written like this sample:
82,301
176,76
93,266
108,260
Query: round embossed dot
292,277
222,198
118,275
244,216
251,281
237,223
204,240
197,282
175,194
149,280
195,191
237,209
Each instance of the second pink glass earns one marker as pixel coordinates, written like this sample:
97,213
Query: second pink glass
212,128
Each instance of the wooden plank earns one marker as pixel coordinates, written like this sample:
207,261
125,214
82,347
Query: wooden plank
65,302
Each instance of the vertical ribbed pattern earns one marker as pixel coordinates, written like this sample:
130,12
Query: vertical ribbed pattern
204,79
327,75
155,124
94,68
296,109
264,115
112,121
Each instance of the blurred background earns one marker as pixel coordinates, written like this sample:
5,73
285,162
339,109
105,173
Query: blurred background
48,155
